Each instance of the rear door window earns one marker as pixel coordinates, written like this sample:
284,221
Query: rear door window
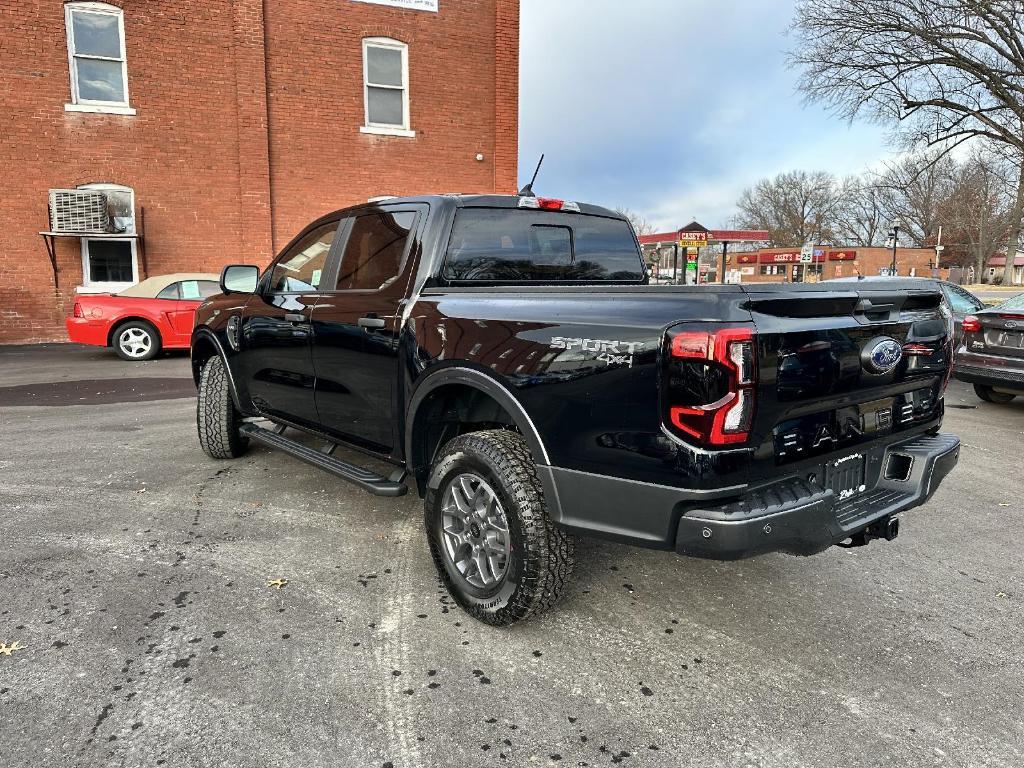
962,302
375,250
517,245
170,292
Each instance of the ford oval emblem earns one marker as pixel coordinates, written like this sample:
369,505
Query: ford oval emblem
881,355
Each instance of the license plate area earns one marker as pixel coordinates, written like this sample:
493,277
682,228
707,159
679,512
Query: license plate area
845,476
1005,339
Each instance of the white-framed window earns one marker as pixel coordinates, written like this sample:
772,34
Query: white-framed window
111,263
386,87
97,58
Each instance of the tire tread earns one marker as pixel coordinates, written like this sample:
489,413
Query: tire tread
217,419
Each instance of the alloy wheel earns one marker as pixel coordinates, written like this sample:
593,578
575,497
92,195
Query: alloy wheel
476,538
135,342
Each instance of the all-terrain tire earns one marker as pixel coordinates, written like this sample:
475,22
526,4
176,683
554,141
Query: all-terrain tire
540,560
217,418
989,395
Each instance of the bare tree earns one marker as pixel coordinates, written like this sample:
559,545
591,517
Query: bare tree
861,216
795,207
978,210
638,220
942,71
910,192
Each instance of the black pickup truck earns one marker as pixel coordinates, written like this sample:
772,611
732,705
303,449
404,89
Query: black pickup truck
507,356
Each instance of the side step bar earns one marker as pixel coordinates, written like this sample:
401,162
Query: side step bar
364,478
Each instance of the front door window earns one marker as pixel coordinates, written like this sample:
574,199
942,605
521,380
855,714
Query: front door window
300,270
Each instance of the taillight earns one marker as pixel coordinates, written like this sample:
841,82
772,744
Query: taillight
971,324
917,350
548,204
710,384
77,311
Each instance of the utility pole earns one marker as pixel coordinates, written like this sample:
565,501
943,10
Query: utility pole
675,263
894,234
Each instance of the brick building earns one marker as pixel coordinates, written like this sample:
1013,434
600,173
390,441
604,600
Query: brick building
784,264
997,264
213,131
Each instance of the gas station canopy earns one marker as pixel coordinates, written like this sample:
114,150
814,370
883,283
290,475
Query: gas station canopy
710,236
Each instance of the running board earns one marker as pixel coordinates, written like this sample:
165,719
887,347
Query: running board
364,478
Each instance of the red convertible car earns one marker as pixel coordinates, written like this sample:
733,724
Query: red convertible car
141,320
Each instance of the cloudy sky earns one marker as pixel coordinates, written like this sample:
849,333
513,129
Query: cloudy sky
671,107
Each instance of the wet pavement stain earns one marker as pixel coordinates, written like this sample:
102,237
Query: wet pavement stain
103,715
96,392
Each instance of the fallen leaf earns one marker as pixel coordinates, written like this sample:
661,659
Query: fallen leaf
7,650
277,583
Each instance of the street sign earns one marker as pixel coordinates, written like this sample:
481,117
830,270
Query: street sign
807,253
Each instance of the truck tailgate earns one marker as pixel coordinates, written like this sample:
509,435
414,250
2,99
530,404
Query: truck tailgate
842,367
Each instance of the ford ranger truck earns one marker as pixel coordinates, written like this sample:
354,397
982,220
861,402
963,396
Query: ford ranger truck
507,357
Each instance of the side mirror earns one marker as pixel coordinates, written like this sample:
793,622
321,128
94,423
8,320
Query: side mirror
239,278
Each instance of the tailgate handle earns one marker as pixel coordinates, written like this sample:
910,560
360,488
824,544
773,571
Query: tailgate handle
866,305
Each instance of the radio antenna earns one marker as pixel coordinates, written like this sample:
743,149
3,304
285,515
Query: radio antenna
527,191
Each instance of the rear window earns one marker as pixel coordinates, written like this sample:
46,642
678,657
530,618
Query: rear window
516,245
1017,302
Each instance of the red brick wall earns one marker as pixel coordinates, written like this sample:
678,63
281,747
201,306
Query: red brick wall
246,129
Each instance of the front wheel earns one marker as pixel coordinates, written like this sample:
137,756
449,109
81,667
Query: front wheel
989,395
494,546
217,418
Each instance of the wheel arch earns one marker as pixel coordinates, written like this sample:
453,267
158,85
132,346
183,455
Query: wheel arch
115,325
483,399
205,345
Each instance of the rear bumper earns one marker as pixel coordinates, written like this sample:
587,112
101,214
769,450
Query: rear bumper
809,519
83,330
993,370
794,516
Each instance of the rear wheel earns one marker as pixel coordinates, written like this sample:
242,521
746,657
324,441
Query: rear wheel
136,340
989,395
495,548
217,418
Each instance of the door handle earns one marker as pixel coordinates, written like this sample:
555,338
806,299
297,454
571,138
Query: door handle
295,317
371,322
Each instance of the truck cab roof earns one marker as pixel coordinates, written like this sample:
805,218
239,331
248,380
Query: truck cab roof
468,200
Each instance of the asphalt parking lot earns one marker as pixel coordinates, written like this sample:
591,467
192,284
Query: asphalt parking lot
134,580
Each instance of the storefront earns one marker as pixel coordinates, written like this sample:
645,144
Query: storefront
810,265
